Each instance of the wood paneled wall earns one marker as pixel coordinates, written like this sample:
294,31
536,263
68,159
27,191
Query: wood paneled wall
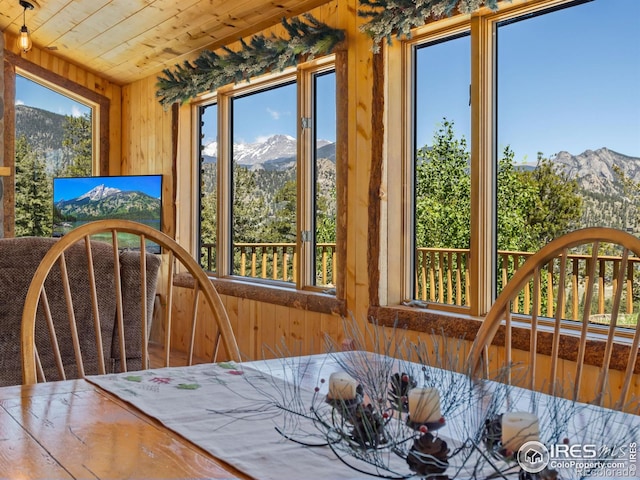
263,330
147,139
147,148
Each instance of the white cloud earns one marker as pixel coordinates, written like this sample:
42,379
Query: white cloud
262,138
19,102
75,112
274,114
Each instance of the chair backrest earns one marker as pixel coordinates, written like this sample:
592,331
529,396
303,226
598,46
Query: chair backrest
67,349
560,279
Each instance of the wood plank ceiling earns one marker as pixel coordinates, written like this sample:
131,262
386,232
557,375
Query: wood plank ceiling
126,40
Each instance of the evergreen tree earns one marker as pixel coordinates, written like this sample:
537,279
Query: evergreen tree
557,206
249,209
282,227
630,200
208,225
78,138
34,195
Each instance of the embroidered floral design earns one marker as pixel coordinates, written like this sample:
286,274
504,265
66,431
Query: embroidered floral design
188,386
160,380
227,365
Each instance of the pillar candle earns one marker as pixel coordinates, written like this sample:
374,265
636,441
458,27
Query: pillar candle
519,428
342,386
424,405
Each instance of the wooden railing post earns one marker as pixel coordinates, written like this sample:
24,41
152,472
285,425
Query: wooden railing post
442,274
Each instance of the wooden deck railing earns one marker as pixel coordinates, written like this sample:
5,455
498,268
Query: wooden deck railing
275,261
442,274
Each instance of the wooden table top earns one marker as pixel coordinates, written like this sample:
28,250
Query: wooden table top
73,429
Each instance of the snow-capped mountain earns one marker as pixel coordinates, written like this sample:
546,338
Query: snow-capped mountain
98,193
277,149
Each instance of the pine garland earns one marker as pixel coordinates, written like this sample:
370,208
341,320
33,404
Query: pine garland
261,55
398,17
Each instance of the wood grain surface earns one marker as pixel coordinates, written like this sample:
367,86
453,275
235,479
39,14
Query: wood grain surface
72,429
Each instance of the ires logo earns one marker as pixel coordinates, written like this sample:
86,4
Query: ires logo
562,451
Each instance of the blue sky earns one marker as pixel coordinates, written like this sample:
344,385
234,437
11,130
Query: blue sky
68,188
256,117
568,80
33,94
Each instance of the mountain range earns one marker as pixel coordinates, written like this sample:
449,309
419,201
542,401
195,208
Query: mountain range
44,131
277,152
601,189
107,202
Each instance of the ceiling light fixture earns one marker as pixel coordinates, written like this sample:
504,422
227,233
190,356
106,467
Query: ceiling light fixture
24,40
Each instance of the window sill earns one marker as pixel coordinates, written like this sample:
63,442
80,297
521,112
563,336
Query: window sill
465,327
273,294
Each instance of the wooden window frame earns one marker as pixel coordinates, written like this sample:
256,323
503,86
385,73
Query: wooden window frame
396,287
302,291
99,104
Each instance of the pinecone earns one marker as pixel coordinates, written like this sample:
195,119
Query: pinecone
368,427
492,435
429,456
400,383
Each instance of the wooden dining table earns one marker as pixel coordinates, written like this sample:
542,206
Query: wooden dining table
92,428
74,429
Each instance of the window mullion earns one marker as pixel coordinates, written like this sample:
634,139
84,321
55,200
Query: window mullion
482,166
305,182
224,183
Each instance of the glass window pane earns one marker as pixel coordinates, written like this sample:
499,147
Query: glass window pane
208,186
264,183
568,107
325,179
54,138
442,176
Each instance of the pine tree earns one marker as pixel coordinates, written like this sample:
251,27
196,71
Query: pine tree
78,138
208,225
282,228
34,196
249,210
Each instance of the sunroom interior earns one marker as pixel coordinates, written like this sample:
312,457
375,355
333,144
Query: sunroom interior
370,249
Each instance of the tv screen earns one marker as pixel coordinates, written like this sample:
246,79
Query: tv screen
79,200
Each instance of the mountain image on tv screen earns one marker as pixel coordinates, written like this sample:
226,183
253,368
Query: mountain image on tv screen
78,200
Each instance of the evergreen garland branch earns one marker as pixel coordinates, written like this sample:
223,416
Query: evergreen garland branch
309,38
390,18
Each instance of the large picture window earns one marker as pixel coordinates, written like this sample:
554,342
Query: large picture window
53,138
520,125
268,179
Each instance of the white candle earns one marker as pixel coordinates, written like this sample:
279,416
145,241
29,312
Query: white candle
342,386
424,405
519,428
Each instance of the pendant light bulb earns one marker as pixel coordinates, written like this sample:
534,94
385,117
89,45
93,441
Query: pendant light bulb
24,39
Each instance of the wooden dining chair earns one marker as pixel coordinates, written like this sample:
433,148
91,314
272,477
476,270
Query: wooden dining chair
88,340
563,312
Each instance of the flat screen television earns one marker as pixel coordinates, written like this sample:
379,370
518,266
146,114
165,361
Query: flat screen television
79,200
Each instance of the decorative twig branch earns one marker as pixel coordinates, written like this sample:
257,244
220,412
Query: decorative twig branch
308,39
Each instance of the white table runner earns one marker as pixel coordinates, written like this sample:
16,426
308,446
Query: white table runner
224,410
232,411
